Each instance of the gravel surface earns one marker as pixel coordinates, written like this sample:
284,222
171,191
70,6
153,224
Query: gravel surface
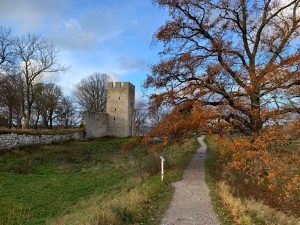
191,204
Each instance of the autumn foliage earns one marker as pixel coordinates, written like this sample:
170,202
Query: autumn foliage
265,167
232,68
240,58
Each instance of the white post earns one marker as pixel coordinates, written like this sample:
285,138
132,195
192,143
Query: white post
162,159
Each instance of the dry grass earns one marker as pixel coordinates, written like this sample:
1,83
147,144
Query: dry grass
125,207
249,212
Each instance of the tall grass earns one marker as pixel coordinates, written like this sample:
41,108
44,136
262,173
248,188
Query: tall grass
13,214
249,211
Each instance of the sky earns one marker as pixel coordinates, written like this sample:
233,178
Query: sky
107,36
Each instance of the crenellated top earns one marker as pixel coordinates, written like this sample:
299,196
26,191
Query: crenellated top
125,85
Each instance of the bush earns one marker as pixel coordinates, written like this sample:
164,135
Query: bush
264,167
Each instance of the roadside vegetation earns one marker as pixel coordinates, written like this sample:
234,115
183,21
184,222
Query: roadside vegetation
255,181
92,183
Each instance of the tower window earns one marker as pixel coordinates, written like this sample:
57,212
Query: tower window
114,118
115,109
119,98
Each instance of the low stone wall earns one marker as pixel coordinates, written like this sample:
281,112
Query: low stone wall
12,140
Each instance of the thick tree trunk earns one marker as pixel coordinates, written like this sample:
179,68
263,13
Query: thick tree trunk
66,123
51,119
256,122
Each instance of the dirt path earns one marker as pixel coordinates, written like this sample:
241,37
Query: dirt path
191,204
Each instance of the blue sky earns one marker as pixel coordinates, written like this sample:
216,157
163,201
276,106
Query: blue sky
107,36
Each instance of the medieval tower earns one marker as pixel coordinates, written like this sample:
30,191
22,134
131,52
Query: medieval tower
118,121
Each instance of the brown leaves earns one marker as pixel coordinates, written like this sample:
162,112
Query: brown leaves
170,30
242,57
269,160
183,121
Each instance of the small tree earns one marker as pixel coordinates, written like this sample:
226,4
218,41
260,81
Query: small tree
67,113
11,96
50,97
141,119
91,92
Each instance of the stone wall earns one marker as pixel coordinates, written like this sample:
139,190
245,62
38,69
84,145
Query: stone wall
95,124
8,141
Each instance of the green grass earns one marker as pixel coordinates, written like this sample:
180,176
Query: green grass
87,183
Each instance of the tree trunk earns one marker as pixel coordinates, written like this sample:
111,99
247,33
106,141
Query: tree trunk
10,116
27,107
256,122
36,121
66,123
45,120
19,120
51,118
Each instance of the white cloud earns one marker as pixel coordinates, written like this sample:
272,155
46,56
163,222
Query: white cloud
89,28
30,14
127,63
78,29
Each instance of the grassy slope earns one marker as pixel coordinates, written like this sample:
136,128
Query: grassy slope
234,209
223,213
86,183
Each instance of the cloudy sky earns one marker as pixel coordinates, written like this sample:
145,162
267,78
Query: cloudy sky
107,36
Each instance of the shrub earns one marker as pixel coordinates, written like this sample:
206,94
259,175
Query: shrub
263,167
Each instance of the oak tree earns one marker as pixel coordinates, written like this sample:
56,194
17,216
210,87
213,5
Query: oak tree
239,58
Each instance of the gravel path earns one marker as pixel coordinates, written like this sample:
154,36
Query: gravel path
191,204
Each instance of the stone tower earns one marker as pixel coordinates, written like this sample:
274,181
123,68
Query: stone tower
120,109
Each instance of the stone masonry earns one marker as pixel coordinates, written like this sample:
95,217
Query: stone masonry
118,121
12,140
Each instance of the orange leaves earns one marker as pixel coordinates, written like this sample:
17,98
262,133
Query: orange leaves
182,121
268,161
169,30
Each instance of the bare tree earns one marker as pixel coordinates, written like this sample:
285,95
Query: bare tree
11,96
239,58
141,119
91,92
49,99
36,57
6,50
67,113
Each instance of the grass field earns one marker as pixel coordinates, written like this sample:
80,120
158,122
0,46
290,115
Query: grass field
90,183
234,208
